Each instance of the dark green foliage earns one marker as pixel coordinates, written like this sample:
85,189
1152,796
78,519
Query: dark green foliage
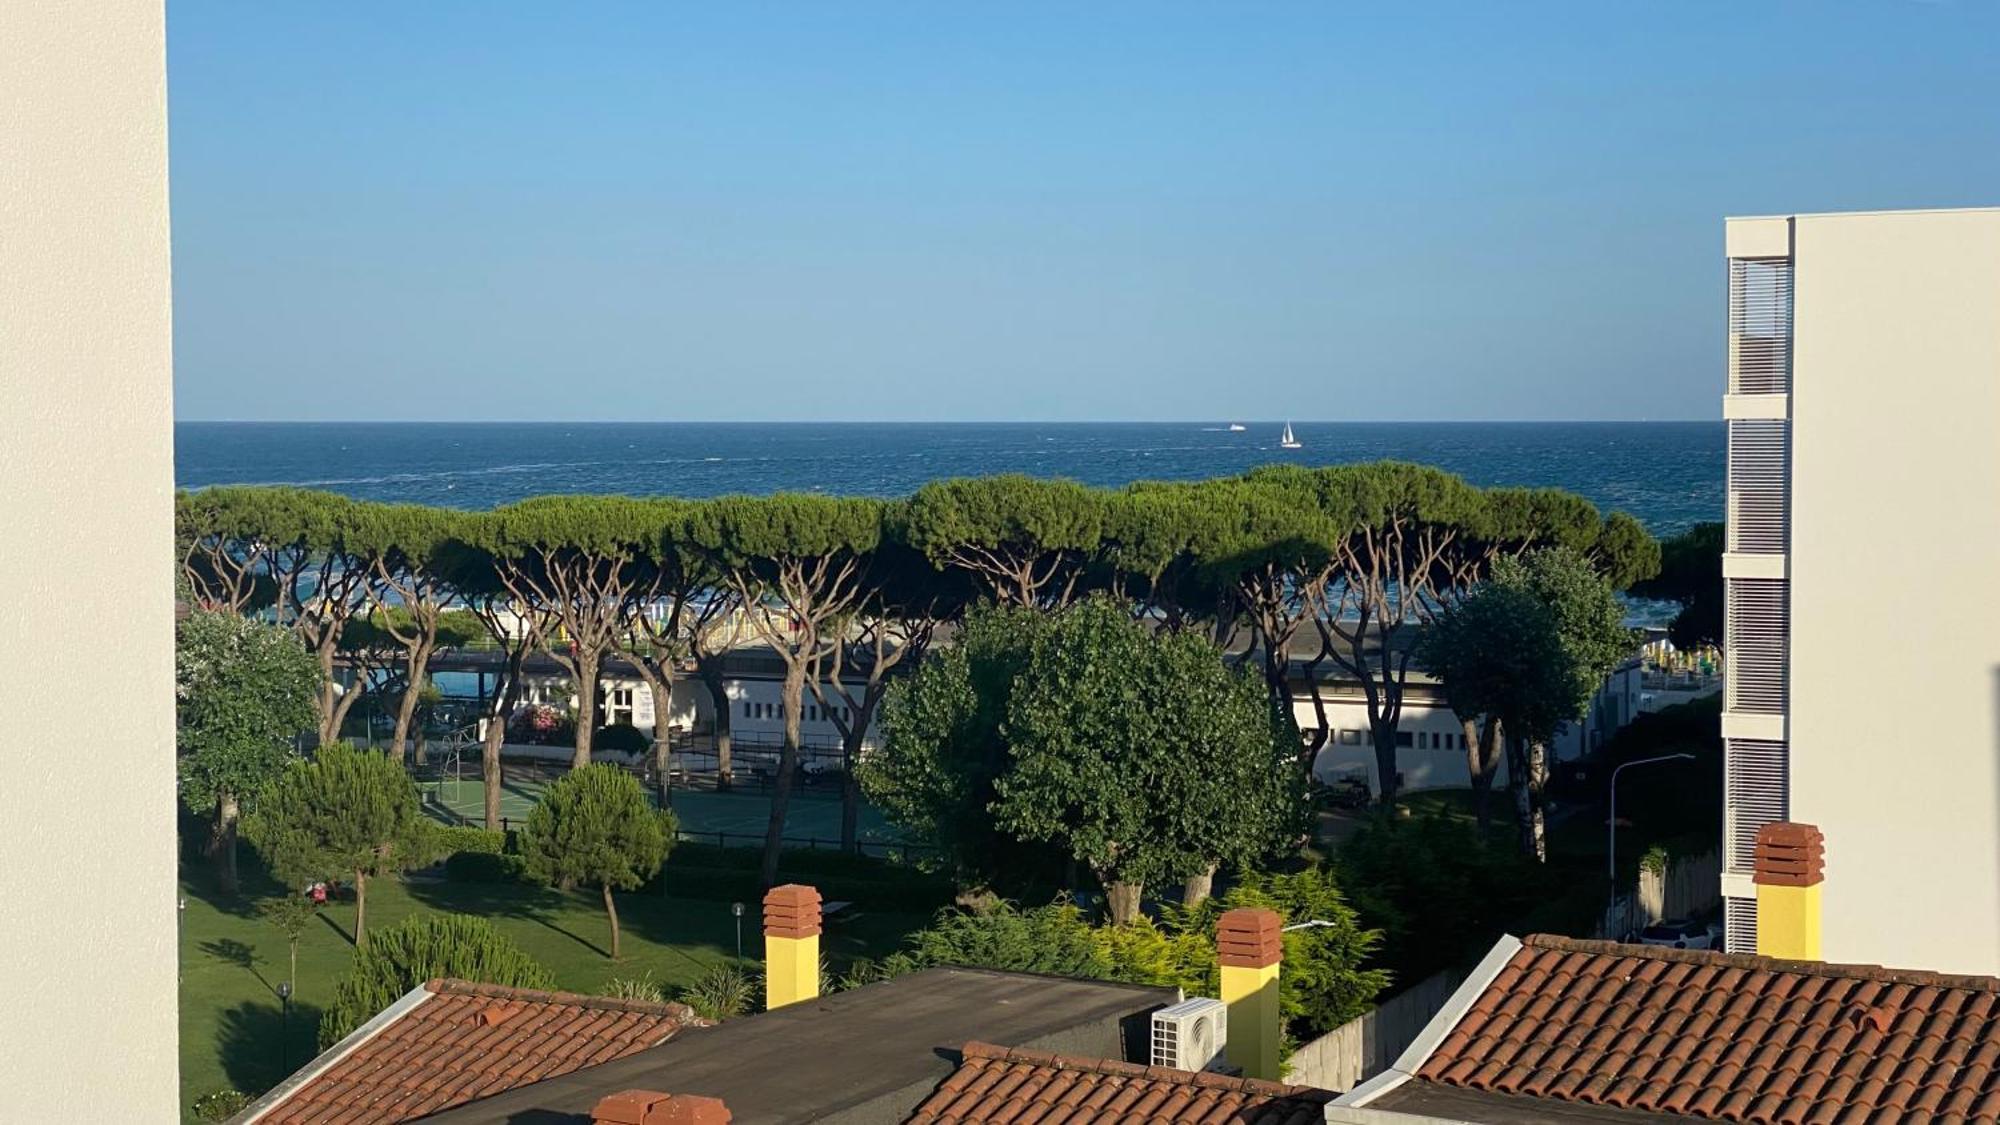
1589,620
704,871
623,738
346,810
1691,574
595,826
1439,892
483,867
943,751
1499,653
450,840
1680,806
242,690
1140,753
1056,940
422,948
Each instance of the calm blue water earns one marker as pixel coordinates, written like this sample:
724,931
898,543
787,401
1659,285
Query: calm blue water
1668,474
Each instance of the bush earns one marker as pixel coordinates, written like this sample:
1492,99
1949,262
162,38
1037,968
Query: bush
643,988
622,737
450,840
724,992
423,948
220,1105
483,867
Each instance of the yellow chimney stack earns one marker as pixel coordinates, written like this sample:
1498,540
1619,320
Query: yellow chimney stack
1250,944
1790,866
791,945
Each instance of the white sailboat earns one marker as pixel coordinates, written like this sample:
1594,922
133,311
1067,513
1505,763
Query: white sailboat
1288,441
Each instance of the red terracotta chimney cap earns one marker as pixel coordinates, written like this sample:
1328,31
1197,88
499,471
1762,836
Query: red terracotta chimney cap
791,911
627,1107
1249,938
1789,855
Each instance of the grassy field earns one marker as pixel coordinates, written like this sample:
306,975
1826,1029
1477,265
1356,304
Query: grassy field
812,814
234,1032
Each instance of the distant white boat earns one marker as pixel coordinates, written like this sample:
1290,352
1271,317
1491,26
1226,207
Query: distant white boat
1288,441
1237,427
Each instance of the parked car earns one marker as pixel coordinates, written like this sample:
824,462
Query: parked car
1679,935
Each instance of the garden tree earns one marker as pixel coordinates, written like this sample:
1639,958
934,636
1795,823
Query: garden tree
421,948
243,690
1691,574
290,914
666,607
346,814
594,825
1590,630
1500,661
718,625
1142,755
1148,557
575,562
474,572
408,550
798,566
1269,552
221,571
942,750
1028,540
890,630
321,585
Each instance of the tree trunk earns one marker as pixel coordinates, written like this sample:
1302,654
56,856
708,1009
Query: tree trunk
222,845
360,909
294,977
496,734
586,709
718,696
1538,776
663,734
1123,901
1199,886
1481,759
788,764
850,783
1518,779
611,912
406,711
1383,731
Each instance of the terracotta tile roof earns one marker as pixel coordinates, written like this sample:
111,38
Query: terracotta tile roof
1025,1087
1729,1037
467,1041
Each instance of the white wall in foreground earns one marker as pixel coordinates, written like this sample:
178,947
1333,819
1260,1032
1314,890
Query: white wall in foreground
87,896
1895,618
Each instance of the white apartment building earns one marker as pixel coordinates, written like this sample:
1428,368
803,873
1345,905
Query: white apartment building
1863,632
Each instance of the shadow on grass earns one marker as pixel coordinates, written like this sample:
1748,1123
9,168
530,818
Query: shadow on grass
199,879
233,952
543,906
259,1044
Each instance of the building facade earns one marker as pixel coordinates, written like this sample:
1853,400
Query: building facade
1864,534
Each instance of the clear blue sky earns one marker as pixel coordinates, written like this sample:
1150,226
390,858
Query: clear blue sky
658,211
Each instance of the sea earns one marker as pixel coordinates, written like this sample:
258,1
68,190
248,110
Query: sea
1668,475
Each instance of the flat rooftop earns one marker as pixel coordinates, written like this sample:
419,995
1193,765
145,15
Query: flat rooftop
869,1055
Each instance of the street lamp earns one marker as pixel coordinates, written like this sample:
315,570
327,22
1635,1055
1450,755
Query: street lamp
736,908
285,1027
1612,850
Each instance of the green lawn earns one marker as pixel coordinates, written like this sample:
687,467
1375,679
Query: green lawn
233,1033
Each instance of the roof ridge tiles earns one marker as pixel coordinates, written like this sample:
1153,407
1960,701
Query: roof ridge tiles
451,986
1909,978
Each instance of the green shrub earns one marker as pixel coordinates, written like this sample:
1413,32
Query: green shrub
220,1105
483,867
450,840
622,737
724,992
643,988
424,947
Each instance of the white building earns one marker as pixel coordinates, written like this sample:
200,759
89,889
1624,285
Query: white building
1864,538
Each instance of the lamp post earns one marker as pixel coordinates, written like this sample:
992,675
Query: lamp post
736,908
1611,851
285,1027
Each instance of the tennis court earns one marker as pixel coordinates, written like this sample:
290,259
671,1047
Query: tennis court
731,819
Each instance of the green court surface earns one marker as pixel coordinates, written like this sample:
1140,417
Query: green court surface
739,817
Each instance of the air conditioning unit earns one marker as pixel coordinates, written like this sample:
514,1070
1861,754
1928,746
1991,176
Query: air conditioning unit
1190,1035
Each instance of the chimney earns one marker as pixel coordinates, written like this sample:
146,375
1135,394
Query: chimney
648,1107
791,945
1249,944
1789,870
